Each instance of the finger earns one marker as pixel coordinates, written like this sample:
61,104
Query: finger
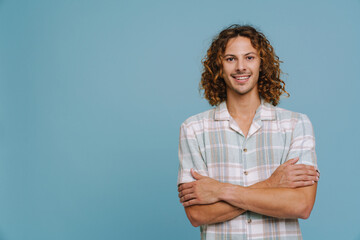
303,184
187,197
185,186
291,161
190,202
305,172
186,191
303,166
313,169
304,178
196,175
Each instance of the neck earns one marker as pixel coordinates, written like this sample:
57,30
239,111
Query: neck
243,105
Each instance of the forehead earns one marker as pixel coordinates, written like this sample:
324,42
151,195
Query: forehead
239,45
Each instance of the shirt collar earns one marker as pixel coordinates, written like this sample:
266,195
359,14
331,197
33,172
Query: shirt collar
265,111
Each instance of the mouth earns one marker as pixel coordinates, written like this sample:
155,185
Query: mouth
241,78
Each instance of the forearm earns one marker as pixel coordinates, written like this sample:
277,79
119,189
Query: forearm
276,202
288,193
216,212
212,213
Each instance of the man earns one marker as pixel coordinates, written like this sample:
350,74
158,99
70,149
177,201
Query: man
247,168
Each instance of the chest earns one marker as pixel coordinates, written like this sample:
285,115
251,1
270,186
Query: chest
231,157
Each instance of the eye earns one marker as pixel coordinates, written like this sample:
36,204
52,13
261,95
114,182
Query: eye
230,59
250,57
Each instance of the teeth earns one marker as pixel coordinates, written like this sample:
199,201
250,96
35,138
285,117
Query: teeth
242,78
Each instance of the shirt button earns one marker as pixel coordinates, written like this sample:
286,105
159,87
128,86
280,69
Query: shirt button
245,149
249,221
245,172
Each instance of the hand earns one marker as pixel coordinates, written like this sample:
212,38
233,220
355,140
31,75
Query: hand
291,175
204,190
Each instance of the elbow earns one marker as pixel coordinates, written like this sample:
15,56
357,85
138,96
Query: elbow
195,223
194,217
305,214
305,210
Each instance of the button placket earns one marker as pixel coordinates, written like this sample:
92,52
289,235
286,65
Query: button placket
244,150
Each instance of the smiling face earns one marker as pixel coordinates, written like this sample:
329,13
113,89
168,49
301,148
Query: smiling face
241,67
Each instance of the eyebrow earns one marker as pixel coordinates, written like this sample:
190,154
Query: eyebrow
232,55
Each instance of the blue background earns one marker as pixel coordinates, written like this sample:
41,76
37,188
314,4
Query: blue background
92,95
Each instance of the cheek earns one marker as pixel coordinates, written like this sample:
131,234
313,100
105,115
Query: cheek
226,69
256,69
226,72
259,66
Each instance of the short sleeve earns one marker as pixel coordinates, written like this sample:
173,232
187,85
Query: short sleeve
303,142
189,155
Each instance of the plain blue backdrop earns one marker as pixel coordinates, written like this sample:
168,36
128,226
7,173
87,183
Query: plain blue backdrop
92,95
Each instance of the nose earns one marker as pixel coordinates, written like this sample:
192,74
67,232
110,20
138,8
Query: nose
240,65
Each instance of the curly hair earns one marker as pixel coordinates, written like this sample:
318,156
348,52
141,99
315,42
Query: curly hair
270,86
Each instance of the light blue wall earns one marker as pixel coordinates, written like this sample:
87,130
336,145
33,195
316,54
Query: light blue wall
92,94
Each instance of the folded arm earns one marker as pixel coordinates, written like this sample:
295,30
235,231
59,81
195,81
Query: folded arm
293,187
216,212
275,202
287,175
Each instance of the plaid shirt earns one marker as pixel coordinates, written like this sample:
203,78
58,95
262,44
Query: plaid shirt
213,144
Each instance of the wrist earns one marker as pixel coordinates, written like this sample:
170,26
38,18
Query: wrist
235,195
228,192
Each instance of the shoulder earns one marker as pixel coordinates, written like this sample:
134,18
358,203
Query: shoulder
194,126
290,119
282,113
199,119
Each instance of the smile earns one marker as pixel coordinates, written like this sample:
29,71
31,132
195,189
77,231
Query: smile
242,78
